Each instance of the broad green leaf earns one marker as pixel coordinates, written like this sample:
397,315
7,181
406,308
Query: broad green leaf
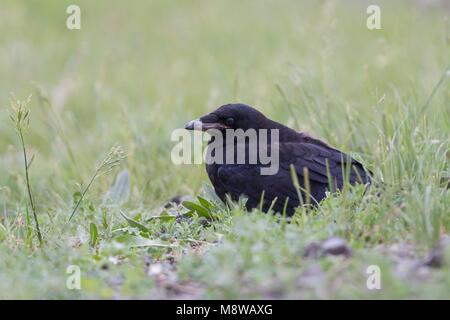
120,191
93,232
205,203
202,212
134,223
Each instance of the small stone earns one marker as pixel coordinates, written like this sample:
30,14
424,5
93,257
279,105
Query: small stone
336,246
332,246
105,266
436,257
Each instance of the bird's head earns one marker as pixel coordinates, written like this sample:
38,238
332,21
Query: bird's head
230,116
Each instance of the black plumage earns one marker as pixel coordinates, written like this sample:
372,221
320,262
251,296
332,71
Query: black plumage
295,148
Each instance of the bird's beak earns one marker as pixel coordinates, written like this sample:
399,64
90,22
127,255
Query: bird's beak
203,126
193,125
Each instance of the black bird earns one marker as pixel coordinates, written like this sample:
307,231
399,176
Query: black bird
296,149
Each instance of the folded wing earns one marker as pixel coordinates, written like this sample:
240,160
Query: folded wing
246,179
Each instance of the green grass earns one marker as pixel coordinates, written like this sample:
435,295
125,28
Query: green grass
137,71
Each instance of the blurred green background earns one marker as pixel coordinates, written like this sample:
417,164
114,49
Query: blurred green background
136,71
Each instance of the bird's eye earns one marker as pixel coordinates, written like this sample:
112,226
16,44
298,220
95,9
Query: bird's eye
229,122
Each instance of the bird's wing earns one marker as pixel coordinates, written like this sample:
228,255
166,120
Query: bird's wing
246,179
316,158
